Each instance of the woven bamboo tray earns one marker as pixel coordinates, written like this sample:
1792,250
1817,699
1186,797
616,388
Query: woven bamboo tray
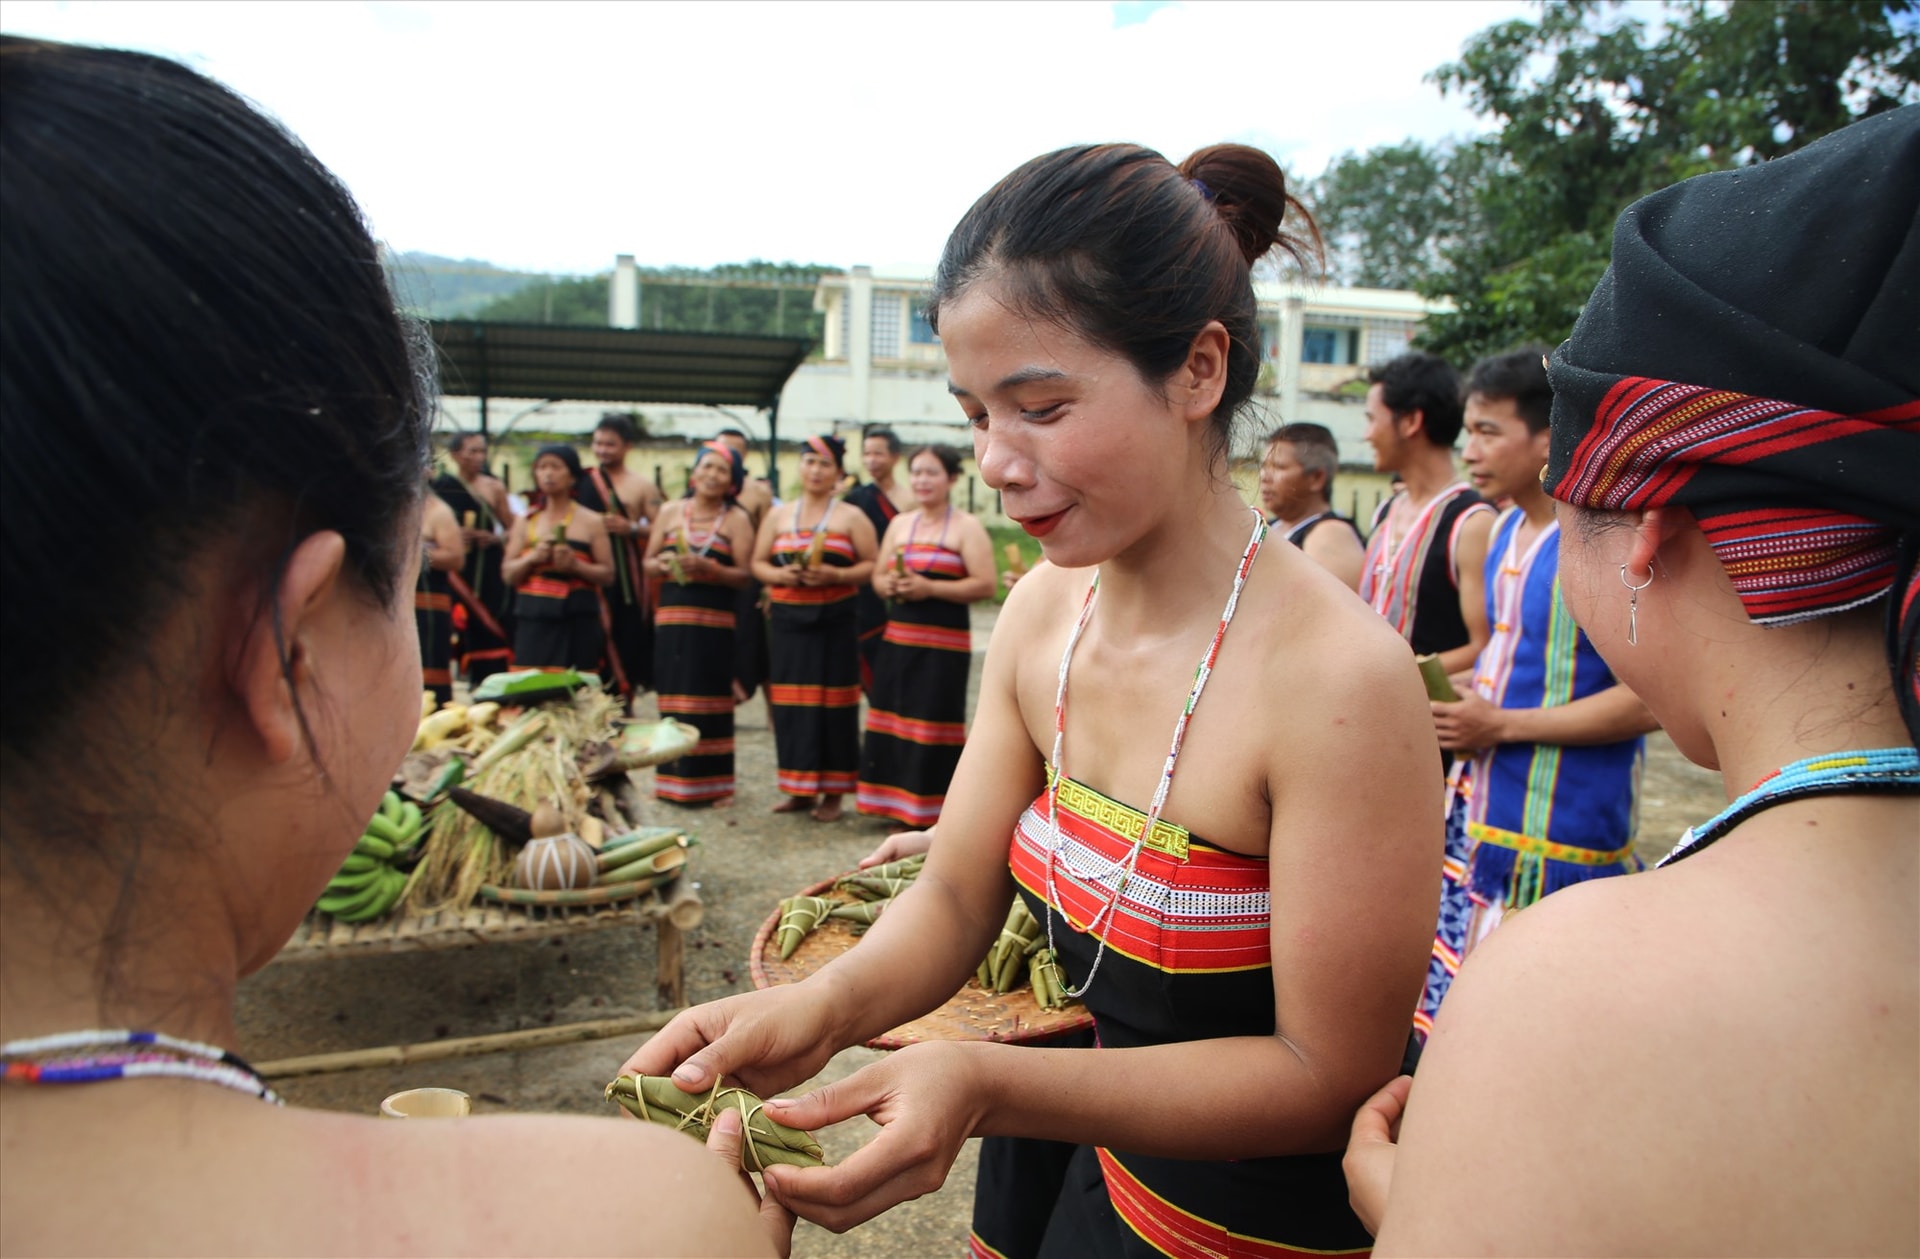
597,895
973,1013
486,922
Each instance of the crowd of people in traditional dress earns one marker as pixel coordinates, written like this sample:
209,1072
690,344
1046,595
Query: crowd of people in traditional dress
1709,521
708,598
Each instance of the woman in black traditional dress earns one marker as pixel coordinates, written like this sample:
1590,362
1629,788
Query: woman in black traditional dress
1249,932
813,555
934,562
699,545
555,558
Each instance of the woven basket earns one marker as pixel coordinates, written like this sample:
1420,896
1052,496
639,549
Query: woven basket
973,1013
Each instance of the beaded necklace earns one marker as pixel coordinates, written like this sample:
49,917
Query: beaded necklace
817,526
1056,766
913,536
686,530
1881,770
98,1054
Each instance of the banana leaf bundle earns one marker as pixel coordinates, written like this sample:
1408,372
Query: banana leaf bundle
1048,980
799,915
1005,962
869,888
763,1143
867,912
903,868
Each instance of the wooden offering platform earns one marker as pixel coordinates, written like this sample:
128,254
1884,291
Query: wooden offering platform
670,909
973,1013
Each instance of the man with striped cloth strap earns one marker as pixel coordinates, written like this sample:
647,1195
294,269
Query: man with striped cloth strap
1543,791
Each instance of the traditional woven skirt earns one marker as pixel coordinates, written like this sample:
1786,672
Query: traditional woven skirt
693,659
916,712
557,621
814,686
1189,959
433,619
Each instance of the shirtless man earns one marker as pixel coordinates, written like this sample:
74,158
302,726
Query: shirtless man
432,607
1296,489
468,453
756,496
484,514
630,503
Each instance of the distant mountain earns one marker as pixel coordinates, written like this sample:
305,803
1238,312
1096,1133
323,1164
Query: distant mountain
450,288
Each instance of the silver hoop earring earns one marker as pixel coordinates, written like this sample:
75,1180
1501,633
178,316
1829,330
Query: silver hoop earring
1633,604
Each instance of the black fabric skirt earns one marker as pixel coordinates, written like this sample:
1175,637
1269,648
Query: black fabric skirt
916,712
813,684
693,655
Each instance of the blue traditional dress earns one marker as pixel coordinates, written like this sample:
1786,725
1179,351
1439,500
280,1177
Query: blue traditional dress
1527,819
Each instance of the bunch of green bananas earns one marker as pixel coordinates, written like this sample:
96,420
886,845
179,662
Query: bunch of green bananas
368,885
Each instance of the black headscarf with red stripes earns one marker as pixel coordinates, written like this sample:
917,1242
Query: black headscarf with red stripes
1753,354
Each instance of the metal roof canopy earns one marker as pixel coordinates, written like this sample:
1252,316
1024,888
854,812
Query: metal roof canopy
583,364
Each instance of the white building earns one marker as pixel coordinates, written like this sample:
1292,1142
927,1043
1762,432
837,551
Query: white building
882,364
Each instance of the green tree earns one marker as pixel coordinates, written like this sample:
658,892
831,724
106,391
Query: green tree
547,299
748,298
1389,214
1595,109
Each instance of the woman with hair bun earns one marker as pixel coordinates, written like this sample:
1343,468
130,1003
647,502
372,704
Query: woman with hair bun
1248,930
199,331
1722,1052
813,557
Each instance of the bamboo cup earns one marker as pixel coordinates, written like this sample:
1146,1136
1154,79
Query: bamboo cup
427,1104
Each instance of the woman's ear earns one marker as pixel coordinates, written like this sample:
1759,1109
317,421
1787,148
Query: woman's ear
1204,375
1656,527
272,672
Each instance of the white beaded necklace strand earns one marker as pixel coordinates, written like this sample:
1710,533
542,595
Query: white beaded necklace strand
1056,764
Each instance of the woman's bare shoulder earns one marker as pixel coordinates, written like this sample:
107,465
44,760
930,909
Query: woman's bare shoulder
1040,600
549,1184
1659,1036
1321,643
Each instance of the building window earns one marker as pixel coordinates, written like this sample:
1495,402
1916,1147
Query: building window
845,347
886,325
1387,341
919,327
1320,345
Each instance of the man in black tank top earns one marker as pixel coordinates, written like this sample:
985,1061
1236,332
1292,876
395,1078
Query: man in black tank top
1427,550
1296,489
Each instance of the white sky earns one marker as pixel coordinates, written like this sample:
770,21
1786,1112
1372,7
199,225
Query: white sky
550,137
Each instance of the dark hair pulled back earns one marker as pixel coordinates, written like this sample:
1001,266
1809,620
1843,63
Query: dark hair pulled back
949,457
1135,254
200,348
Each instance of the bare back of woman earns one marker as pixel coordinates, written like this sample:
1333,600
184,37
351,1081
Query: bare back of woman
1719,1056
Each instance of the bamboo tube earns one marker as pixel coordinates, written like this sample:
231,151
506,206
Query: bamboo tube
684,909
463,1046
